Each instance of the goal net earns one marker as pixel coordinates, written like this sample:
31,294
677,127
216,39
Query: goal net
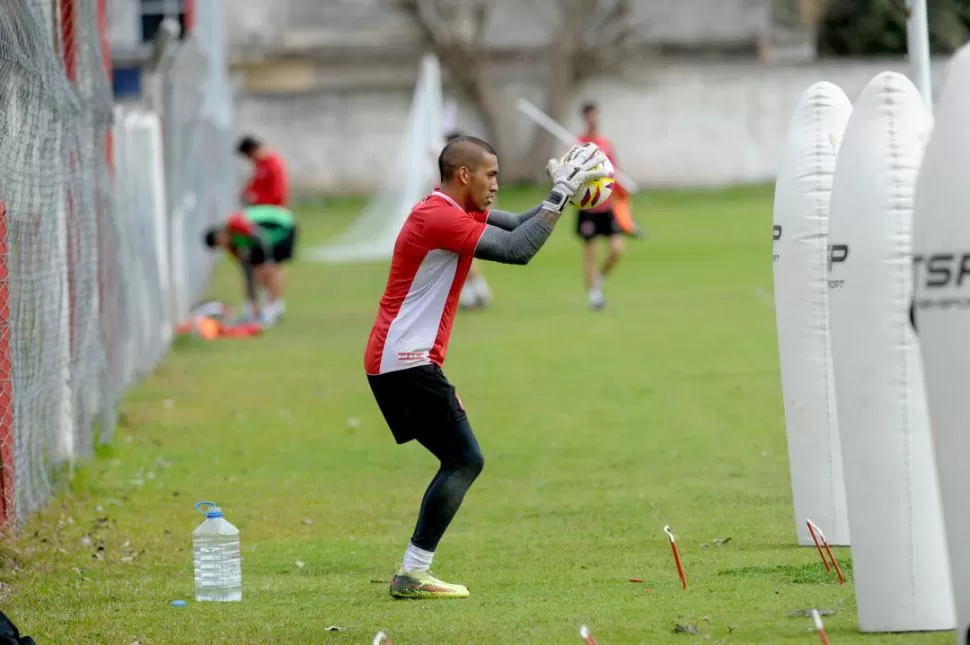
371,236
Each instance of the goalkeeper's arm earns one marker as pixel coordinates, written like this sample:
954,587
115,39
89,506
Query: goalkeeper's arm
519,243
510,221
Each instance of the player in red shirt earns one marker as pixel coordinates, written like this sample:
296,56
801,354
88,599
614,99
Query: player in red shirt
268,186
407,344
600,221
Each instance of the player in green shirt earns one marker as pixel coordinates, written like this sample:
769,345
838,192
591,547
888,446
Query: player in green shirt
261,238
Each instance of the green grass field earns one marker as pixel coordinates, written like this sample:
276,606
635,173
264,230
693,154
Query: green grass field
598,428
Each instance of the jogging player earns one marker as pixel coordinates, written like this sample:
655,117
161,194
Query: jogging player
599,221
262,238
407,345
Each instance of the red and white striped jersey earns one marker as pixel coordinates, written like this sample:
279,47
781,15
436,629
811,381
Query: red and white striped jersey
432,255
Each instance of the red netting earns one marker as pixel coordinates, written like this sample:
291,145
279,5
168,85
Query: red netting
7,497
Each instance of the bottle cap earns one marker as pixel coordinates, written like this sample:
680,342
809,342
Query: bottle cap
212,511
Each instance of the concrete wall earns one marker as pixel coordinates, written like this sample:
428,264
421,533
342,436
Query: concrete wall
512,23
330,84
123,23
677,125
296,23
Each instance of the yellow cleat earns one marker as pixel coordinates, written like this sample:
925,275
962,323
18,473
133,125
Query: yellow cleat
422,584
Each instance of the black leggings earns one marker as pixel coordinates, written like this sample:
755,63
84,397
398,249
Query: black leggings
461,462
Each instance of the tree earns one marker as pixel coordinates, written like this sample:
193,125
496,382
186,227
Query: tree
878,27
590,37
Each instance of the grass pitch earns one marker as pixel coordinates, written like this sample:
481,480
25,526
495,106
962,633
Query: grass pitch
598,428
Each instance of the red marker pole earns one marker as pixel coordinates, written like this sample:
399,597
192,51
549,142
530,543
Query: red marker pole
818,545
828,549
820,627
673,547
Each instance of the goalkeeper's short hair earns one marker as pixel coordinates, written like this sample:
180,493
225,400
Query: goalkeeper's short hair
456,154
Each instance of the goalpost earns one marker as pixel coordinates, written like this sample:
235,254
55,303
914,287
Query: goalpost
371,236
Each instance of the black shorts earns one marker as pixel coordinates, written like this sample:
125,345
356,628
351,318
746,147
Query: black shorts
590,225
417,401
280,252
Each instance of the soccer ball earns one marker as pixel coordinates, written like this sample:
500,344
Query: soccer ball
593,193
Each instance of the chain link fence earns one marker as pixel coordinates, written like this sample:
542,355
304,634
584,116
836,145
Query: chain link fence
198,141
98,260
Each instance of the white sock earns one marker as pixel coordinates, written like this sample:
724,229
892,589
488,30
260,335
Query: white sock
468,293
270,313
416,559
482,287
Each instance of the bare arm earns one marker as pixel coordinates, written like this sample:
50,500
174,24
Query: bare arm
519,245
511,221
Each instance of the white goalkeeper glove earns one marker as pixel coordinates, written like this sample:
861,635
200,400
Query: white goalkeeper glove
567,177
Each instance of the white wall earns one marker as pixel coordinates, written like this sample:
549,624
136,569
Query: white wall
512,22
677,125
124,26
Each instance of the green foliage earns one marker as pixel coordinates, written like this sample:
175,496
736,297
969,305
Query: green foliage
878,27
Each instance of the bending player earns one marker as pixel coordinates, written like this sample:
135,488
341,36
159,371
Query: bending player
600,221
444,233
262,239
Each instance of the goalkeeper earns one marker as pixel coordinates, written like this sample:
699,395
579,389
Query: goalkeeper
408,342
261,238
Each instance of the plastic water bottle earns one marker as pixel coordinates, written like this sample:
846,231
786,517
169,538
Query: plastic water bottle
218,567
